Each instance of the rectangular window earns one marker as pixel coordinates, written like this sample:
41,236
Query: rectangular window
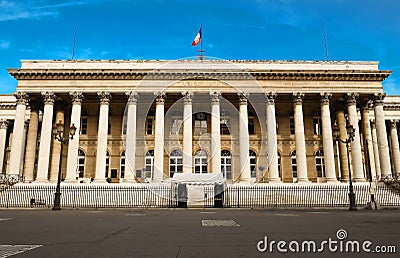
176,126
251,126
200,127
225,126
84,124
317,126
291,125
150,126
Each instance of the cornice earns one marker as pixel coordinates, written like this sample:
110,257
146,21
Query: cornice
123,74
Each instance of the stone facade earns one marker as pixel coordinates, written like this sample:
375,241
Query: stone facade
255,121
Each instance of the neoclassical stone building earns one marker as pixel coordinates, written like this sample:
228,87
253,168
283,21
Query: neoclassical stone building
144,120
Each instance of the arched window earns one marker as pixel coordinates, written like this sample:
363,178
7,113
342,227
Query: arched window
149,161
226,164
122,164
253,163
279,164
200,162
81,163
107,163
294,165
319,163
175,162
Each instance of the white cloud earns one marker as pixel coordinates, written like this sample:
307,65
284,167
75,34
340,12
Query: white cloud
4,44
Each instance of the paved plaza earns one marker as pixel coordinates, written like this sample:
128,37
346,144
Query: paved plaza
195,232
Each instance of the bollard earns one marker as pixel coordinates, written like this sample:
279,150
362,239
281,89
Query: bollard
218,196
182,196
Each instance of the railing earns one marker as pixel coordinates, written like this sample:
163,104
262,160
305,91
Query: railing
264,196
91,196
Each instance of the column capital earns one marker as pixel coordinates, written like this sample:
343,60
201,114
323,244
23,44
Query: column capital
378,98
160,97
325,97
187,97
22,97
132,97
271,97
243,98
367,105
215,97
48,97
351,98
298,98
3,124
76,97
393,124
105,97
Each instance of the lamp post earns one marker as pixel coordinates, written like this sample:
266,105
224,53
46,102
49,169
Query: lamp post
350,137
58,134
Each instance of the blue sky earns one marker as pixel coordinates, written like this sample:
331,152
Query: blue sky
357,30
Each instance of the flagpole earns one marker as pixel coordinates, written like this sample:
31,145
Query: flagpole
201,57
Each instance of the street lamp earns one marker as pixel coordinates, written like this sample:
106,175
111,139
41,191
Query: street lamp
350,137
58,134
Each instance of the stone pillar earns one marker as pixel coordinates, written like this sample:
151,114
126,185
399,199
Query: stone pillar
383,146
30,152
73,144
21,168
101,155
187,132
395,146
356,153
130,144
3,135
159,139
272,142
301,158
244,139
376,151
215,132
368,145
18,131
327,141
56,146
45,138
344,167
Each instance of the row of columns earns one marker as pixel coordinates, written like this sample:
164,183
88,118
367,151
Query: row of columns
378,154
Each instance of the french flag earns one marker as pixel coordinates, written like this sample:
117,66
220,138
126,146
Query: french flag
197,39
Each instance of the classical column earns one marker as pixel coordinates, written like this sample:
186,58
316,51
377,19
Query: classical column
130,143
341,123
215,132
73,144
45,138
56,146
395,146
356,153
159,139
383,147
272,142
376,151
327,141
21,168
187,132
244,139
368,145
30,152
3,135
301,158
101,155
18,131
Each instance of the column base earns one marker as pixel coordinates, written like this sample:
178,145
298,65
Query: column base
332,181
275,181
359,180
128,181
70,181
303,181
100,181
41,181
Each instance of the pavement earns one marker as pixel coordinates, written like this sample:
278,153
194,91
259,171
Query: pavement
198,233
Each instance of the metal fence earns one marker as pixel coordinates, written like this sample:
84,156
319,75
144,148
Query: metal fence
91,196
264,196
165,196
